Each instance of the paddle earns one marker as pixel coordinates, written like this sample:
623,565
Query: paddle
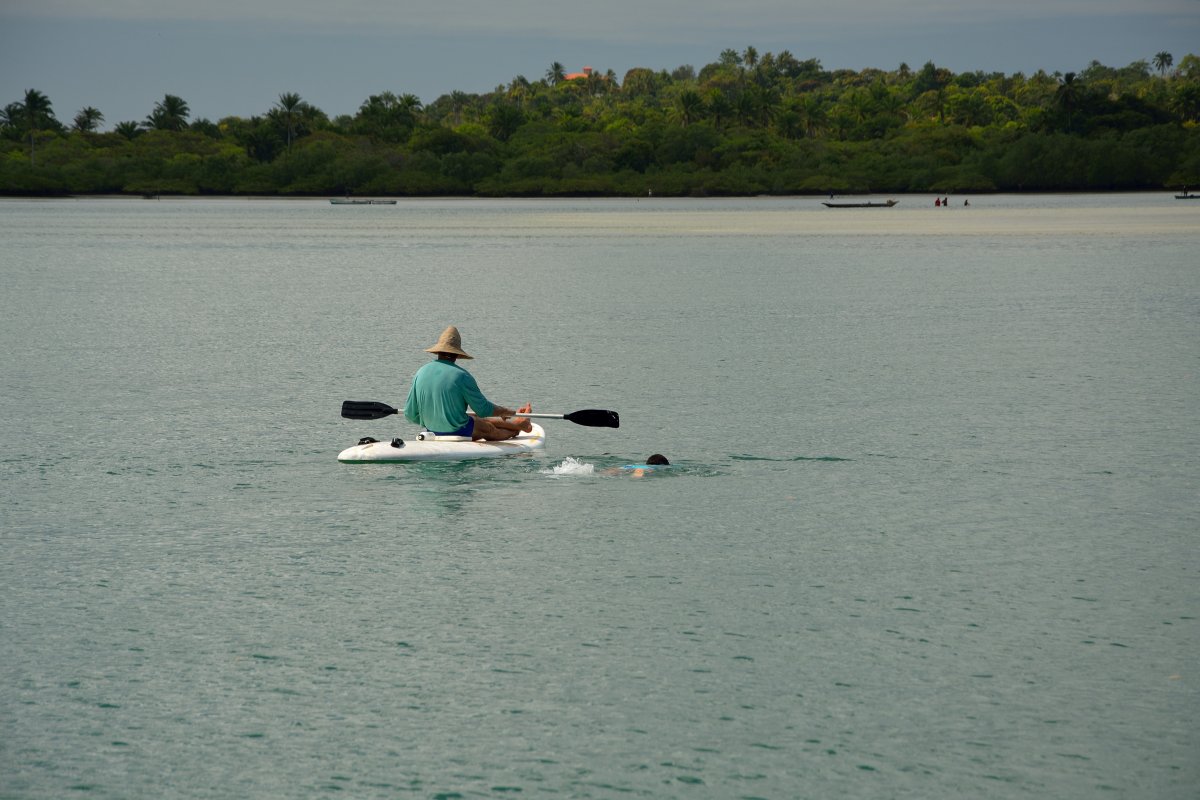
590,417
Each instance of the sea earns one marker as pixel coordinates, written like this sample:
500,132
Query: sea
930,530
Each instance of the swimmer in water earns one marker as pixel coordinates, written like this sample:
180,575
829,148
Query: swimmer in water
656,461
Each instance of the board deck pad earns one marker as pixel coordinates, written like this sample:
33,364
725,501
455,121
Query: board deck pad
414,450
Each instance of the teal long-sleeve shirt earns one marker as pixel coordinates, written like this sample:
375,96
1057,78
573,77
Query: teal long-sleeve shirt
440,394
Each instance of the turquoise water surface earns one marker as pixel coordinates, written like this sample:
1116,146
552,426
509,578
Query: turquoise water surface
931,528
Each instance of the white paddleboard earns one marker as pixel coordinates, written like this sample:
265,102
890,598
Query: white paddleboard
442,450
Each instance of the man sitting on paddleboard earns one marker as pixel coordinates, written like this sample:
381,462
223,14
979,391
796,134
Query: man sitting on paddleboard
442,391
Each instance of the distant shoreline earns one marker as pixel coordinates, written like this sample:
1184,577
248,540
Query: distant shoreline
555,198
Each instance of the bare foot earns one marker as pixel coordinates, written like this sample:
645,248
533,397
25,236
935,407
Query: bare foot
524,422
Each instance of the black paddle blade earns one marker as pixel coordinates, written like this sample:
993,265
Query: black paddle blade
366,409
594,418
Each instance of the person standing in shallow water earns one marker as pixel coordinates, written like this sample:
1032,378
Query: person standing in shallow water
442,391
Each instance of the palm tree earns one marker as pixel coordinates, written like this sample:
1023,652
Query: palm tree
746,107
1067,95
595,83
892,104
1163,62
410,106
556,74
35,107
789,123
389,117
129,129
841,120
1186,102
768,103
170,114
815,115
688,107
88,119
719,106
458,102
518,90
860,104
750,56
786,64
932,104
503,120
10,115
289,105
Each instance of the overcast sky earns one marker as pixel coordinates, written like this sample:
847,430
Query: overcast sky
235,57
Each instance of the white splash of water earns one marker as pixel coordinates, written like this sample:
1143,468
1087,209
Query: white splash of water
571,466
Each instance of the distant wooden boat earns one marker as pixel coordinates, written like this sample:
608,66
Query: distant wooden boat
347,201
1187,197
888,204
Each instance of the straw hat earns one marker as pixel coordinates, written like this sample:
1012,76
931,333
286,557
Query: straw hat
449,342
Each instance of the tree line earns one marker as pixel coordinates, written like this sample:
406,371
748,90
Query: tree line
747,123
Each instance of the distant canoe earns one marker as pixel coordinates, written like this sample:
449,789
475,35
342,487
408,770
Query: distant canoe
346,201
888,204
1187,197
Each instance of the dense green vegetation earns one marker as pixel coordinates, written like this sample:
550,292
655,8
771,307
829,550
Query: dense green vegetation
745,124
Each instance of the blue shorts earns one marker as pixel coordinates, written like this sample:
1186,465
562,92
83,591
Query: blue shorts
467,430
